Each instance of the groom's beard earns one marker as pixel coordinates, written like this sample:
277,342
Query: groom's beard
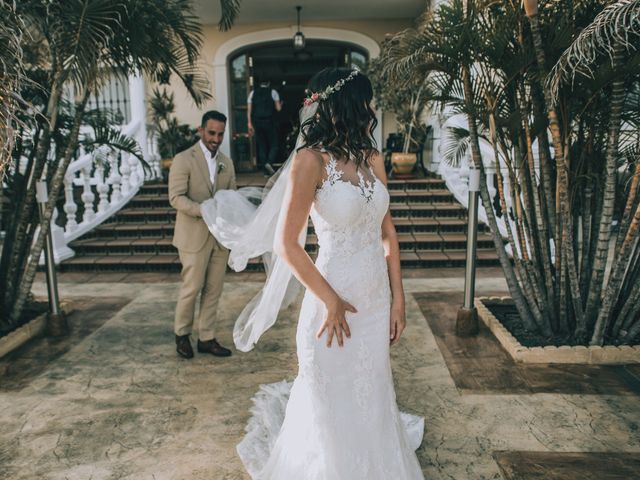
213,147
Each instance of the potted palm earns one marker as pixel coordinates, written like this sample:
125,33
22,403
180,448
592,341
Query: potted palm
408,100
172,137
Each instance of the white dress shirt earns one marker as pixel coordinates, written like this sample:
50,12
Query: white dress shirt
212,163
274,96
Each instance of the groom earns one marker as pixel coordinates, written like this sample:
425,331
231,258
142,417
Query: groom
195,175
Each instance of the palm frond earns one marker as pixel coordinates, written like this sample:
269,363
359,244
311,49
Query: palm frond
105,134
616,26
81,30
456,145
170,43
12,78
230,10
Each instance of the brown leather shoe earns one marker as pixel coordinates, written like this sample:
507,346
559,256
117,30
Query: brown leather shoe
214,348
183,346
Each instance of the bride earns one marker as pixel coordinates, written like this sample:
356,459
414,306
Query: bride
339,419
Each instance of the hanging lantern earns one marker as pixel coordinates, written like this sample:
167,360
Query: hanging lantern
298,39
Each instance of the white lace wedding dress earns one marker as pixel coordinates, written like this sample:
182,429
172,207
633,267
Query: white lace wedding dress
339,419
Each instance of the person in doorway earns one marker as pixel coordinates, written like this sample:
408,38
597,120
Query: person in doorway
263,103
196,174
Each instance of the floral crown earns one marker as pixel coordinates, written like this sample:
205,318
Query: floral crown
324,94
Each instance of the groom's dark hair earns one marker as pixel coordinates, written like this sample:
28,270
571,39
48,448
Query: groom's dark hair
213,115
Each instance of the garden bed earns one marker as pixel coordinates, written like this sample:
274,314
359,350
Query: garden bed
32,323
500,316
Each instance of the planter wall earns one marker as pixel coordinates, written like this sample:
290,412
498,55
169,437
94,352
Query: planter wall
607,355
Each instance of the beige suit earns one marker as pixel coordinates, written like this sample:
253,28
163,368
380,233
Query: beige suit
204,260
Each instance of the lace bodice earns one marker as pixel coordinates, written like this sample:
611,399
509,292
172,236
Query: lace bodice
347,216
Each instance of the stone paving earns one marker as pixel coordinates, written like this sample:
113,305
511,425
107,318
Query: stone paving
115,402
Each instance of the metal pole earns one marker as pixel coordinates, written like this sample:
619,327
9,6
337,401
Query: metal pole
57,324
467,320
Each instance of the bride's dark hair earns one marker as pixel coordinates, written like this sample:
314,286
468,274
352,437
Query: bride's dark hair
344,122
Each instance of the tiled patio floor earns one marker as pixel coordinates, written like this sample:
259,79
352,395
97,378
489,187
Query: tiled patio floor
115,402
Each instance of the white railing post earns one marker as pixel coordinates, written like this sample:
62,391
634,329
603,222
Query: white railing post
61,250
87,195
125,171
102,188
491,183
114,178
154,156
70,207
506,185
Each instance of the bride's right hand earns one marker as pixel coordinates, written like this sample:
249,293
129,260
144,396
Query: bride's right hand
335,322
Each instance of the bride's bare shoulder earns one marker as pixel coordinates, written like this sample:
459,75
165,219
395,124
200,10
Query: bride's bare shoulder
376,160
308,162
309,155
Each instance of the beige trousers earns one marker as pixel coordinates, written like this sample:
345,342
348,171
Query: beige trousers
202,272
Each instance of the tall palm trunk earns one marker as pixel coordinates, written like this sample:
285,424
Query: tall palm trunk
56,187
626,217
22,237
604,234
566,236
530,317
518,260
541,221
546,166
627,313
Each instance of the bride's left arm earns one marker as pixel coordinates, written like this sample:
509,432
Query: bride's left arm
392,254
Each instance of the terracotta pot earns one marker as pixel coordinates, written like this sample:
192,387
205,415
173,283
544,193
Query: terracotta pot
403,163
166,162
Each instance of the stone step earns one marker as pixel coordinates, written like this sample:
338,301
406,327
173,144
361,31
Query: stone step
171,262
166,214
416,225
242,181
430,224
147,201
107,246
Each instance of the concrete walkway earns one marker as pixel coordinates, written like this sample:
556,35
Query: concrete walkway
117,403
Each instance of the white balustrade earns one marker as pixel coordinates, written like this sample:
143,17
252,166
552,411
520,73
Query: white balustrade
114,189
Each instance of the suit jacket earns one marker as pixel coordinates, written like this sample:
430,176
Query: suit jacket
189,186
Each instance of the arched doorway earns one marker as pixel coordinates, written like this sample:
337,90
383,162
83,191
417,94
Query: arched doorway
288,71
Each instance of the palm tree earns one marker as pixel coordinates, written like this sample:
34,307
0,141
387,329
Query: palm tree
12,78
444,46
83,42
486,59
613,34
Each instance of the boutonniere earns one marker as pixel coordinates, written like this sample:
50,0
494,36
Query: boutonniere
221,167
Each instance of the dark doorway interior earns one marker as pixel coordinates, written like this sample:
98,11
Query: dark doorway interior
288,71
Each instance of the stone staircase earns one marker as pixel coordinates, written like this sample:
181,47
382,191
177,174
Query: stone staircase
431,228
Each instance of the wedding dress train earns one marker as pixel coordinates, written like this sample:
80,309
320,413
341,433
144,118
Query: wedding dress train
339,419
